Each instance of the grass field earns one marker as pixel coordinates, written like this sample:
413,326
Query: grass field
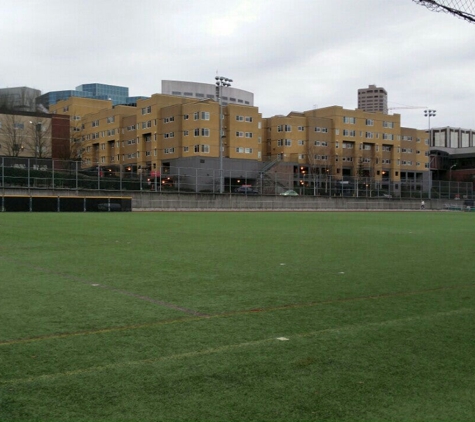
237,316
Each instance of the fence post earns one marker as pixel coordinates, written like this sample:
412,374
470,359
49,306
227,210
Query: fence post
120,177
161,170
52,173
77,176
28,161
196,180
98,177
3,174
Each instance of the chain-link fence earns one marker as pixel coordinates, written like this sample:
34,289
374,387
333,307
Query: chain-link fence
31,173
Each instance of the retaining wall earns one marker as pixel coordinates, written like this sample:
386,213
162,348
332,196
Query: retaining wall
153,201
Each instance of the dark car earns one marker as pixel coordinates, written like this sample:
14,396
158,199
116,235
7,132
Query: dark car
246,189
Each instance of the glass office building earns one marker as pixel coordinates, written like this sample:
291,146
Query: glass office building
117,94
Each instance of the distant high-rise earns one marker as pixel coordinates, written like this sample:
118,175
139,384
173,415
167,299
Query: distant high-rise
373,99
202,91
20,98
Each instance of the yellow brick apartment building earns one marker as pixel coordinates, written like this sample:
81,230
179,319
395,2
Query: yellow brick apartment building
164,130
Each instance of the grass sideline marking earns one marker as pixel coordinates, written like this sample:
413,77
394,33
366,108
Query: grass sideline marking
231,347
226,315
113,289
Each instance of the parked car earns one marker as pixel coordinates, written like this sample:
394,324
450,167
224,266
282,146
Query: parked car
289,193
246,189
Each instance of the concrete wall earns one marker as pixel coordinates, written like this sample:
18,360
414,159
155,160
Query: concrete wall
152,201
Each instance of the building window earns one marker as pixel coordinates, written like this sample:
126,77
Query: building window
205,149
369,122
389,125
204,132
146,110
186,149
204,115
349,120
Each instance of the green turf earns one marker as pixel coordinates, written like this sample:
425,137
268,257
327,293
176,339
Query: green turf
177,316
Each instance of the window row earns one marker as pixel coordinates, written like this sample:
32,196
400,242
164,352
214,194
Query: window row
368,122
244,119
196,115
198,148
244,134
242,150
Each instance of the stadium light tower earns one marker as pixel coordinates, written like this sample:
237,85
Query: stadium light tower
429,113
221,82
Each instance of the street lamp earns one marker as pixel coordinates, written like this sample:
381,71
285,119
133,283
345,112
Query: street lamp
221,82
450,176
37,138
450,171
429,113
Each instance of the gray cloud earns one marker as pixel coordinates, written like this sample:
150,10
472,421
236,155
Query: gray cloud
293,55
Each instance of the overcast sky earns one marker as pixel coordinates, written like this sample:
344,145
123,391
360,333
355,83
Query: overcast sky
293,55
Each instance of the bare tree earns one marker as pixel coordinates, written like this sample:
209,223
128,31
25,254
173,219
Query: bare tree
12,134
38,139
319,170
6,104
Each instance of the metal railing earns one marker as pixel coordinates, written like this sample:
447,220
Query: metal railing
33,173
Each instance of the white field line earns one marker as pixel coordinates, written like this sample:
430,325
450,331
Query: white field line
232,347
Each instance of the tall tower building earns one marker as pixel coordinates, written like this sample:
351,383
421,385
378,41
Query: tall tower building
373,99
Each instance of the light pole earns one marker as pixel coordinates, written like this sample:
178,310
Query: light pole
450,172
37,138
429,113
450,177
221,82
